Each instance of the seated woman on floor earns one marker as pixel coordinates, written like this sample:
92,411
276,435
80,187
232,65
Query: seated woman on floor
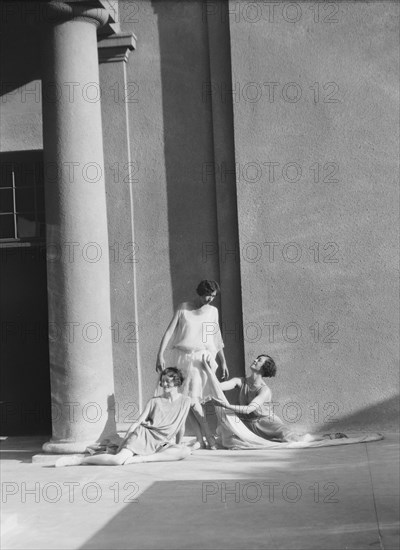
254,408
152,437
254,397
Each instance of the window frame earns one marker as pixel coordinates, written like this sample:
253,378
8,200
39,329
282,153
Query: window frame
33,159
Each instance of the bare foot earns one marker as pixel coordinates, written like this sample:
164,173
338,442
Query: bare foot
135,459
337,435
72,460
200,444
195,446
212,443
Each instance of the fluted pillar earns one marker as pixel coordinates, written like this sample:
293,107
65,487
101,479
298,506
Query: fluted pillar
82,387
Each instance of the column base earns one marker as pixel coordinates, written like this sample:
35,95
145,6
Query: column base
66,447
51,459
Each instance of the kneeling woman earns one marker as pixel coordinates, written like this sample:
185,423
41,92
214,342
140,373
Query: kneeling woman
152,437
254,398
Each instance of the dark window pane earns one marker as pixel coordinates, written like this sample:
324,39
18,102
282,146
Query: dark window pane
7,226
42,230
6,174
24,171
40,216
39,172
24,174
26,225
40,197
25,199
6,200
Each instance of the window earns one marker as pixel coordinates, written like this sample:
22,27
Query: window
22,215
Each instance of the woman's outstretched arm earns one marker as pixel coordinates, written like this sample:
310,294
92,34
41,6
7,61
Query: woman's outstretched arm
135,424
160,365
254,407
231,384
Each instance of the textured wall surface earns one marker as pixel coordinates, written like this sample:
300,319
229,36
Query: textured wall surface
21,91
171,138
316,135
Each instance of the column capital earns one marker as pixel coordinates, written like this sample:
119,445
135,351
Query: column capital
59,12
116,47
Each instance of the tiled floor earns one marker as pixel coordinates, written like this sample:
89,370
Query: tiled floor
331,498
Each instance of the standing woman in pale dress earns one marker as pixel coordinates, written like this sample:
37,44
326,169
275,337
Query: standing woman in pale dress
195,332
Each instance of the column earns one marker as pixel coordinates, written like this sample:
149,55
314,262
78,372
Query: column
82,387
121,173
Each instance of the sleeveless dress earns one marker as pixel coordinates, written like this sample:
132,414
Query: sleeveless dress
263,422
197,334
233,433
160,427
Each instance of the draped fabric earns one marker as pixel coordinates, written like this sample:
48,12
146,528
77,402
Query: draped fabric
233,434
197,333
197,329
197,383
161,425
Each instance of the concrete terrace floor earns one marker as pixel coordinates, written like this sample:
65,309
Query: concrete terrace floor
328,498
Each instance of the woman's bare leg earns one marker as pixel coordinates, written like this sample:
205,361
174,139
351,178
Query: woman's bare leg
180,434
202,420
98,460
196,426
170,454
109,460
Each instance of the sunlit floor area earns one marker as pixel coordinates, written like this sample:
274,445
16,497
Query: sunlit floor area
332,498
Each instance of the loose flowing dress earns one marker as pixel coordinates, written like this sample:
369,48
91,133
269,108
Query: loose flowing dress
161,425
263,422
233,433
197,334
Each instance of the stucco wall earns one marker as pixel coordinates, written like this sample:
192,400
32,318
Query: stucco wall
21,101
171,138
315,118
329,283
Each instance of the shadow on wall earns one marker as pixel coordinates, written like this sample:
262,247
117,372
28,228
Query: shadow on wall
383,416
188,144
110,429
202,211
23,66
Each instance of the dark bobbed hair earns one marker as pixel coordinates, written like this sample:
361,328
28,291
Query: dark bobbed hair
206,287
268,367
175,374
